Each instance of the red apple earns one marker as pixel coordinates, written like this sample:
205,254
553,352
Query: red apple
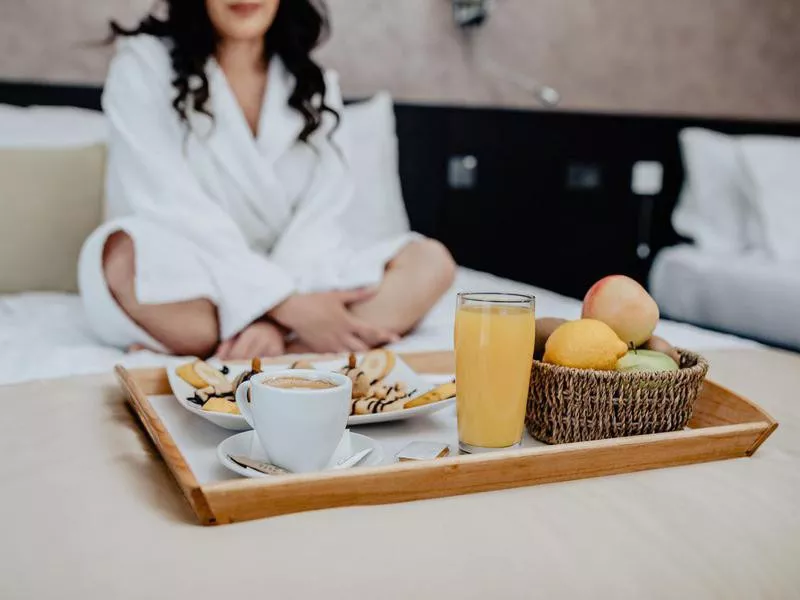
625,306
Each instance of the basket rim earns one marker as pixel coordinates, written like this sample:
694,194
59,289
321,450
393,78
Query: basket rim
699,369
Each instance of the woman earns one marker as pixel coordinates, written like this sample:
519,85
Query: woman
230,226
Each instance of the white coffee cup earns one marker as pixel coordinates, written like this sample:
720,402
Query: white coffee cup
298,427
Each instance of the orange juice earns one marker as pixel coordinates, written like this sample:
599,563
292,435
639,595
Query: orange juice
494,350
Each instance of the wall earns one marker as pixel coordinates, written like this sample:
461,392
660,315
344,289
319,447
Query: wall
707,57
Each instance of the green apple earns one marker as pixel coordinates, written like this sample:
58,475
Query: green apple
646,360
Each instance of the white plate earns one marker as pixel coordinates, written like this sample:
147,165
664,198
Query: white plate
183,391
401,372
247,444
399,415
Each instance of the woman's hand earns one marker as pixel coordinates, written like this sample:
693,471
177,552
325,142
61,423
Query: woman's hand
261,338
323,322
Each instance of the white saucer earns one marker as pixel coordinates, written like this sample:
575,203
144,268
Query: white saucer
247,444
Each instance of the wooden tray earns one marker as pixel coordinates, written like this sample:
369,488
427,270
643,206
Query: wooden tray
724,425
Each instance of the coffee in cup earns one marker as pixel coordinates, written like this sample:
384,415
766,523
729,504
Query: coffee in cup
299,415
299,382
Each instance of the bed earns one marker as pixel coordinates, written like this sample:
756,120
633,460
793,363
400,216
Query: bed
749,295
738,206
586,222
721,529
45,335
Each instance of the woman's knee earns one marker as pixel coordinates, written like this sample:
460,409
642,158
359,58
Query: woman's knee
436,260
189,327
119,265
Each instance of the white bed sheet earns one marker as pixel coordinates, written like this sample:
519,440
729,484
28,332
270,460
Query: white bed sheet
45,335
750,295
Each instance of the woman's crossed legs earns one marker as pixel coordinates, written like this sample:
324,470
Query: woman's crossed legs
414,280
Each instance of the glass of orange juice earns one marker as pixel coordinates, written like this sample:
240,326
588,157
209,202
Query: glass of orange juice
494,341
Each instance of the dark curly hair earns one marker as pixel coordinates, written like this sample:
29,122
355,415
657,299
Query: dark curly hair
299,26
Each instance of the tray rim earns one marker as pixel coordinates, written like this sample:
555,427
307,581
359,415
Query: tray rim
217,503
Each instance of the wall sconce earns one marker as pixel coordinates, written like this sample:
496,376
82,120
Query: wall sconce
470,13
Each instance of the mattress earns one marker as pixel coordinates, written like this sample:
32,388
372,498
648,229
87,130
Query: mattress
44,335
749,295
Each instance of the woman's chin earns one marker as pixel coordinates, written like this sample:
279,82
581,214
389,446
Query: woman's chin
245,30
244,36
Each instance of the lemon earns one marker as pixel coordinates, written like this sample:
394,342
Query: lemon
584,344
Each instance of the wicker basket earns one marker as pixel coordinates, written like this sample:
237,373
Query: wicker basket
576,405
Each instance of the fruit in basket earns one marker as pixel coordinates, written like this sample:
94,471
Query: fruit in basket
625,306
637,361
584,344
544,328
659,344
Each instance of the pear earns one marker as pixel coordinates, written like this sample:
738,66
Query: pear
637,361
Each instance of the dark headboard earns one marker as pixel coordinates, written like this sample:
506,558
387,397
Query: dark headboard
552,203
549,199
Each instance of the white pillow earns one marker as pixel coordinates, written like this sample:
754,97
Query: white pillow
51,127
773,167
713,208
52,171
52,199
370,146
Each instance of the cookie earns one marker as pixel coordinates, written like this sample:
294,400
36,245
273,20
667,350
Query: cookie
302,364
442,392
377,364
381,399
360,381
189,375
222,405
255,369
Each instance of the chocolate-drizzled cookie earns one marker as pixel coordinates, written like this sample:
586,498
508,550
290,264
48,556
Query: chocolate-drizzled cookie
255,369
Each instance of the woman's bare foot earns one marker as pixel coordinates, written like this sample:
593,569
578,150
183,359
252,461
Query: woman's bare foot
298,347
259,339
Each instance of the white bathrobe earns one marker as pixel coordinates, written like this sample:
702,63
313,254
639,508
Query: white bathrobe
216,213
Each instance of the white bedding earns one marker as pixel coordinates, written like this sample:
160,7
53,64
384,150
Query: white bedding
750,295
45,335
